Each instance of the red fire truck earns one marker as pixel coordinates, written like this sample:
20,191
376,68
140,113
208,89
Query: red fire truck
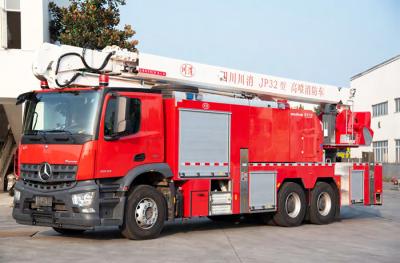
118,138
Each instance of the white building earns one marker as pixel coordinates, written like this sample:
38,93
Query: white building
24,26
378,91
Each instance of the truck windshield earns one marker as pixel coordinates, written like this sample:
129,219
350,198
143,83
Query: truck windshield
70,112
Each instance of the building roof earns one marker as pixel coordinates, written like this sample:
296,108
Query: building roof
384,63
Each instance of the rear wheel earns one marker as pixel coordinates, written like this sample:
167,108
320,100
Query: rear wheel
145,213
268,219
322,204
291,205
68,232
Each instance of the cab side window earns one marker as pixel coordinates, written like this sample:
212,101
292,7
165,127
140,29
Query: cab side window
130,121
109,118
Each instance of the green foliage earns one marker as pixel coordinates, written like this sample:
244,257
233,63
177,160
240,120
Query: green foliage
90,24
318,110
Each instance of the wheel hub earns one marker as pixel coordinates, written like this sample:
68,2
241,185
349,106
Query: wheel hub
293,205
146,213
324,203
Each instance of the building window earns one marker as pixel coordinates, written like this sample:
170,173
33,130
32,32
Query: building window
13,30
11,24
381,151
397,102
380,109
397,151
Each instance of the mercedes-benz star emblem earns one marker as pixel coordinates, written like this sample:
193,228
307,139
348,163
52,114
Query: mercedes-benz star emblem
45,172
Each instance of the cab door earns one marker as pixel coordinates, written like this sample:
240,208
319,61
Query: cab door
141,136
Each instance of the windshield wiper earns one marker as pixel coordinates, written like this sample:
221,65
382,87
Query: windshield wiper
56,131
36,132
59,131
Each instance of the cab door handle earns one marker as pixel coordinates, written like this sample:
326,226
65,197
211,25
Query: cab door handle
140,157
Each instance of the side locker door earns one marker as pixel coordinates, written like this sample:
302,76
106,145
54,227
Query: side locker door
141,143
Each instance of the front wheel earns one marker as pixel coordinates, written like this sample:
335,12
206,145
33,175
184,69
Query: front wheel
291,205
144,213
322,204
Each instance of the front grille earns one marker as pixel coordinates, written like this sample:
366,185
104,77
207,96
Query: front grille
48,186
60,172
62,177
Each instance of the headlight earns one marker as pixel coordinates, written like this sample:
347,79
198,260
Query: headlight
17,195
88,210
83,199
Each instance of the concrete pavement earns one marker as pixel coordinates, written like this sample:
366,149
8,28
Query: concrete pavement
367,234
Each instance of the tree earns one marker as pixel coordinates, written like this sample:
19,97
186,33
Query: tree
318,110
90,24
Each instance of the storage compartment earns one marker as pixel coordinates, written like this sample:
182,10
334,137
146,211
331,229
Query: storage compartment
357,187
220,197
204,143
199,203
221,210
262,191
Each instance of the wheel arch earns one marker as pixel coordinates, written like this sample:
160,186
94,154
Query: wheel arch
298,181
146,174
328,180
150,174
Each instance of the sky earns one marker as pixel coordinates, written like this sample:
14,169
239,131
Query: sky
324,41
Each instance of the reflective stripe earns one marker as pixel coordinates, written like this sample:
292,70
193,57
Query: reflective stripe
258,164
289,164
205,164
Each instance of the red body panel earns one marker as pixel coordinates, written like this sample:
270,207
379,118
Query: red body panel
57,153
305,137
116,158
268,132
195,197
61,154
199,203
241,131
171,135
378,183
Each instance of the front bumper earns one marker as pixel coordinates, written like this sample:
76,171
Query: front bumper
63,213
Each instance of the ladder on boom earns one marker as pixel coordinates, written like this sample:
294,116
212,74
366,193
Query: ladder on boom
63,66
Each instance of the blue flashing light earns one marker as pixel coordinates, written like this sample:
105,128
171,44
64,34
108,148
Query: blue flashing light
189,96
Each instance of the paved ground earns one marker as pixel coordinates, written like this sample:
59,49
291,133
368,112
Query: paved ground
365,234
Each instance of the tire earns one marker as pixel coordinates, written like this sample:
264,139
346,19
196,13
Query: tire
267,219
322,204
291,205
145,213
68,232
